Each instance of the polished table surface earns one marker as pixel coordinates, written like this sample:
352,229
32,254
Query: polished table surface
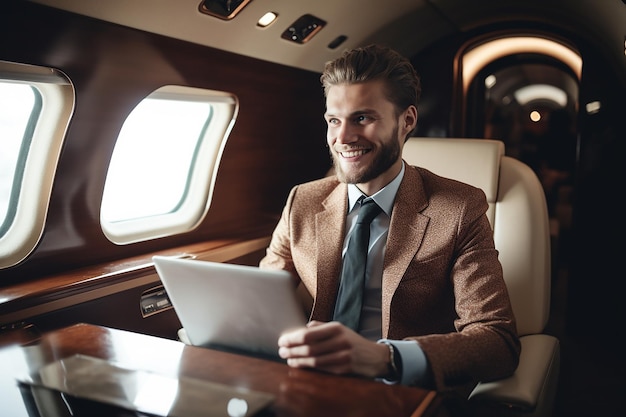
296,392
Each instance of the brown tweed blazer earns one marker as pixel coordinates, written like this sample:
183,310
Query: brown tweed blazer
442,282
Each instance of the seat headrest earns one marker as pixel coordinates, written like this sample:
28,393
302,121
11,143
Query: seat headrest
473,161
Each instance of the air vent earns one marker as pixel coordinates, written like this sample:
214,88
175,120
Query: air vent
223,9
303,29
337,41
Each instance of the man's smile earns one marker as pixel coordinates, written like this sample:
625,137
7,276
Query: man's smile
353,153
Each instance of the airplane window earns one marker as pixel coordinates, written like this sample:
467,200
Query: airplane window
153,155
36,104
162,169
18,103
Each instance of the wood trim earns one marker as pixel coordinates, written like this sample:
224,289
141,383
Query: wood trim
29,299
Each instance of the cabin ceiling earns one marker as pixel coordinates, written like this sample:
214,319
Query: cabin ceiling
407,25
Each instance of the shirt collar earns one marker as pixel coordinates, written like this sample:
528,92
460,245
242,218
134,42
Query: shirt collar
384,198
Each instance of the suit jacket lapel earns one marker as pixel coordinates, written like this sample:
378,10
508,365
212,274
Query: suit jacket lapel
329,226
406,232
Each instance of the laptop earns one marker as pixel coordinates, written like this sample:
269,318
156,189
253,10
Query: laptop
230,307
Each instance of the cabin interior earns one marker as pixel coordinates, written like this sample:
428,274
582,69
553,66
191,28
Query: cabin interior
76,273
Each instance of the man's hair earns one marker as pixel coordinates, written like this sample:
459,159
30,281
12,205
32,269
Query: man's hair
375,62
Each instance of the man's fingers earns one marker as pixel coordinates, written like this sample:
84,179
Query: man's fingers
337,362
317,348
313,333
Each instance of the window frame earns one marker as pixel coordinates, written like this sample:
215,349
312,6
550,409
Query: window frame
203,171
39,166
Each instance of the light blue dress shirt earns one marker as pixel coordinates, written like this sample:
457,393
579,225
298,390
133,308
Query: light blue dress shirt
414,362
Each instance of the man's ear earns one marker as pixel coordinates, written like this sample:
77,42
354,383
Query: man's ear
409,119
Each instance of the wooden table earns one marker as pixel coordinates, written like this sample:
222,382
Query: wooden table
297,392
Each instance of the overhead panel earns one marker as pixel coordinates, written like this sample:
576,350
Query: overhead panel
303,29
223,9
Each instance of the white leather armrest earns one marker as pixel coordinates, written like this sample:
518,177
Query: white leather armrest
182,336
534,378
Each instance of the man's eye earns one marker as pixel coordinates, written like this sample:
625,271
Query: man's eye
362,119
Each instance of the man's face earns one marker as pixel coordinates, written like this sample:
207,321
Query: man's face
365,136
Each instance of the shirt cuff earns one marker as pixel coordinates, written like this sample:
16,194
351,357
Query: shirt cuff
415,369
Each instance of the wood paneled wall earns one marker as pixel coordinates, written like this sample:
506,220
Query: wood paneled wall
277,141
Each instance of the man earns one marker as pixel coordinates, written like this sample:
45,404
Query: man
435,310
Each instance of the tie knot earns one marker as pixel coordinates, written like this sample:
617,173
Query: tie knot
369,210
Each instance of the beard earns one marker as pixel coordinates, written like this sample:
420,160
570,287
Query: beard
388,154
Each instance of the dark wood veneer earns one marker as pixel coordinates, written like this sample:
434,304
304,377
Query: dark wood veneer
297,392
271,147
106,294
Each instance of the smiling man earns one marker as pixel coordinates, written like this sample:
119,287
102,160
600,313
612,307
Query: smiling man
427,304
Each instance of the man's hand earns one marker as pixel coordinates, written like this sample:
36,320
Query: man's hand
333,348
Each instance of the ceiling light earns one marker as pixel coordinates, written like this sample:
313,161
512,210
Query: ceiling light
541,92
593,107
267,19
535,116
477,58
490,81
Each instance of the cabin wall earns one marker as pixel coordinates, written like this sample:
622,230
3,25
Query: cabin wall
595,300
436,71
277,141
75,274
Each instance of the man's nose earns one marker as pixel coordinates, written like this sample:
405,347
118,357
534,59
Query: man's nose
346,134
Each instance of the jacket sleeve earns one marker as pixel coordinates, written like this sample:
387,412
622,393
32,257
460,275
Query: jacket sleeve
485,345
278,254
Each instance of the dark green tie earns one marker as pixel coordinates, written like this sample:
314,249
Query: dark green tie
350,296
